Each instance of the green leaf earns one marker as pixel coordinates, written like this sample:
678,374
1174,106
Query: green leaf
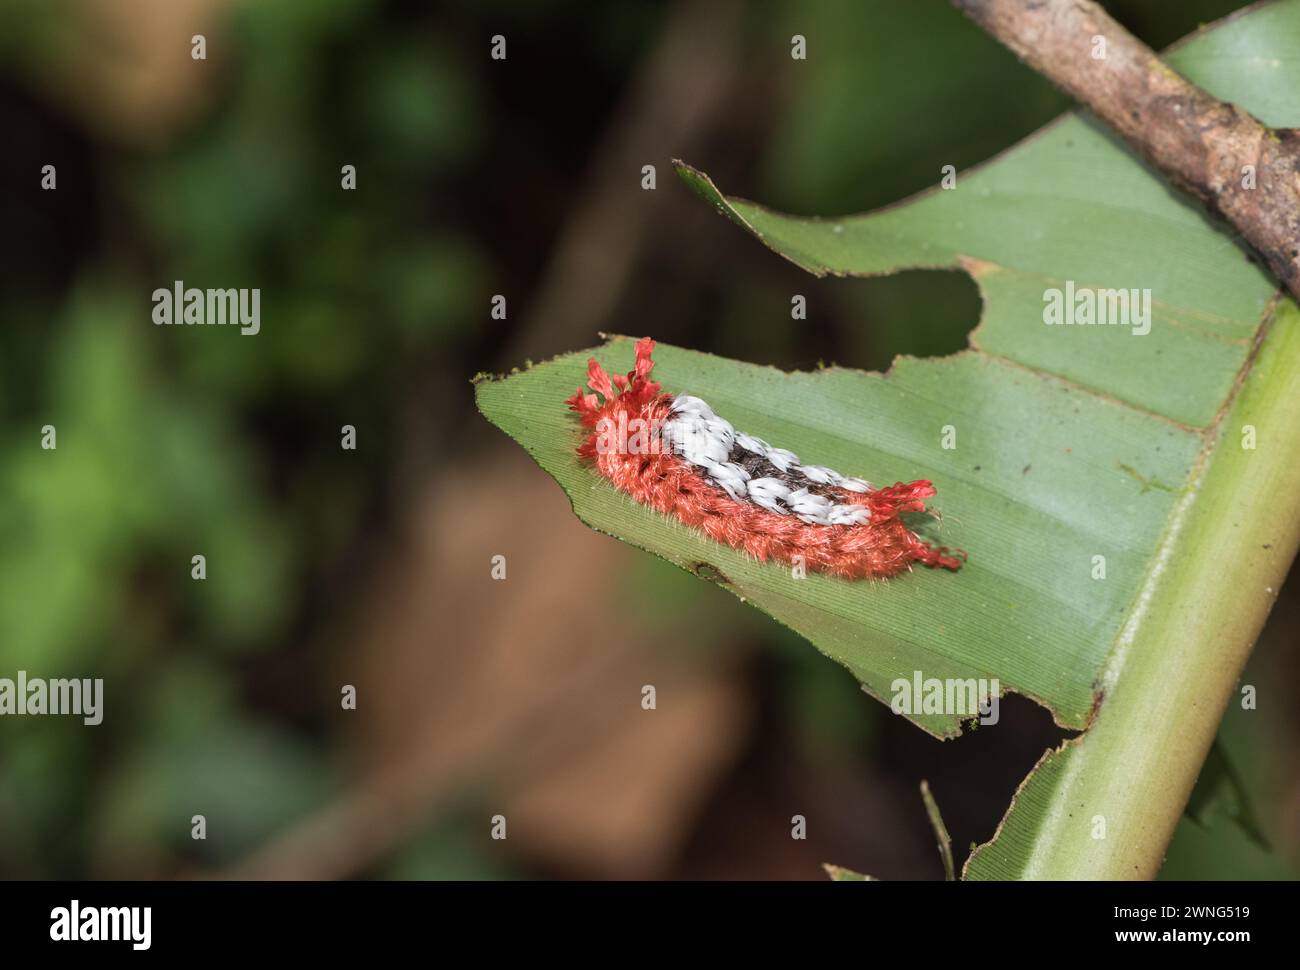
1072,443
1220,796
1221,850
1022,500
840,874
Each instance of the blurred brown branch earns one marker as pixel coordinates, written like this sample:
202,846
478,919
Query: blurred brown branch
541,723
681,86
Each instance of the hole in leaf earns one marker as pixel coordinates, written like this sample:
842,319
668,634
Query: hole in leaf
858,323
974,777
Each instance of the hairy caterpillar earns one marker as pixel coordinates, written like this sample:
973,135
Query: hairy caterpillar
675,455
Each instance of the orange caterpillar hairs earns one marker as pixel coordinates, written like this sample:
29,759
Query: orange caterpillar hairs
678,457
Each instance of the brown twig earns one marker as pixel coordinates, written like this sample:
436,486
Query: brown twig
944,840
1239,168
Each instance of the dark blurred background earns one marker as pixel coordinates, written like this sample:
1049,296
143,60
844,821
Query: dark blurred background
370,567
